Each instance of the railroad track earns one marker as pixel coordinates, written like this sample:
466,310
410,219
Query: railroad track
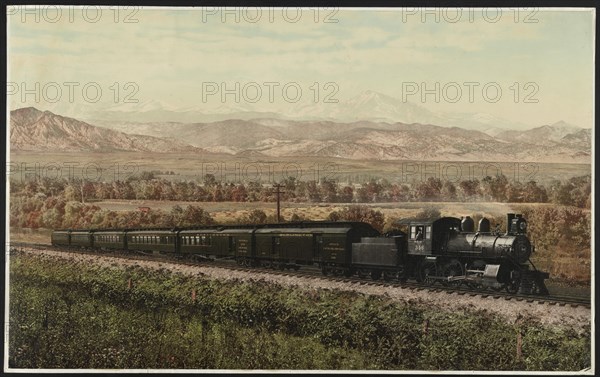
314,273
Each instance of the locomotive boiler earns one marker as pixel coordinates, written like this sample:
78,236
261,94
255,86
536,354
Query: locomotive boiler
514,244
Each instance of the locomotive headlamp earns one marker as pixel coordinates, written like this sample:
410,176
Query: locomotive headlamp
523,226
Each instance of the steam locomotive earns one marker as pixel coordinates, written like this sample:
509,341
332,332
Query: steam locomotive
447,250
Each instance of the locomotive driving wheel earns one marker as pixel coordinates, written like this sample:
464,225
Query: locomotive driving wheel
427,272
451,269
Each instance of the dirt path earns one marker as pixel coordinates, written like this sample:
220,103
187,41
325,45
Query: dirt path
557,316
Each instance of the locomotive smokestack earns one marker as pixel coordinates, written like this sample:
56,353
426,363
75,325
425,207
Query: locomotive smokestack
509,219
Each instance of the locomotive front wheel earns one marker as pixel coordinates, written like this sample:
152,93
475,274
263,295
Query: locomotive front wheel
539,288
477,286
514,282
512,287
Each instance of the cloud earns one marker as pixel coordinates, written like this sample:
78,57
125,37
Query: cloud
174,51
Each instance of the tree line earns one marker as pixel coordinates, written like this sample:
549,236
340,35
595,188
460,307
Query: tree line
572,192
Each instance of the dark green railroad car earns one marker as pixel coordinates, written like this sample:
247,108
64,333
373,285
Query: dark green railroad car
328,244
81,238
336,254
287,246
109,240
155,241
217,243
61,238
196,242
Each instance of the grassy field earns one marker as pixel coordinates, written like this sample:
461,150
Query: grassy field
76,315
227,211
273,169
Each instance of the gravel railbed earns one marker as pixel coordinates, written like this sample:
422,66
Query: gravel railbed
578,318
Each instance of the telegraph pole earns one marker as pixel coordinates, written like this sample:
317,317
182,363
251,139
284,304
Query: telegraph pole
277,187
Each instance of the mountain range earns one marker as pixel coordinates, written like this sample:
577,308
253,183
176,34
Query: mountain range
366,106
32,129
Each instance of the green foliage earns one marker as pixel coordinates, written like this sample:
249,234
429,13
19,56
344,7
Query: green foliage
428,213
256,216
575,191
76,315
359,213
53,203
561,236
430,189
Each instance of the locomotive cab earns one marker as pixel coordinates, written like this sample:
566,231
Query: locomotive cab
419,238
430,237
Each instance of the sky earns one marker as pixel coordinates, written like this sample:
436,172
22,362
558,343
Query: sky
533,66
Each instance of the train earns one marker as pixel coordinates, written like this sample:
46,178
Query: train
447,250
